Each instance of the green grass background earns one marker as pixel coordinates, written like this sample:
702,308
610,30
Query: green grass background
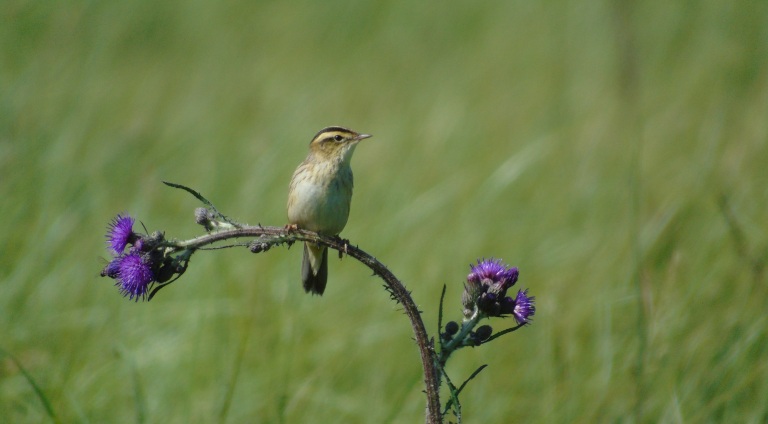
591,144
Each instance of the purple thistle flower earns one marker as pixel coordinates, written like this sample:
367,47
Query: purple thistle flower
524,307
134,276
486,288
494,270
112,269
120,233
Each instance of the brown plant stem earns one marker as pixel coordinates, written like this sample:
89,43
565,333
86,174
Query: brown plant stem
272,236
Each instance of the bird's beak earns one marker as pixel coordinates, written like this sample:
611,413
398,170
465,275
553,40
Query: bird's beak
362,137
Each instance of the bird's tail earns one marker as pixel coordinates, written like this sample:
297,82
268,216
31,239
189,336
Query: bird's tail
314,268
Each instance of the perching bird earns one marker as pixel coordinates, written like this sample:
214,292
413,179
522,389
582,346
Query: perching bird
319,197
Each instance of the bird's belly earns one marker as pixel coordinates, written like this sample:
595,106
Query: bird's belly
319,208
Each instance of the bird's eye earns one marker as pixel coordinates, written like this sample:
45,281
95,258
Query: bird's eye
338,137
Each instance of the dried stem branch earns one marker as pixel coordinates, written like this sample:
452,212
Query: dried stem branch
270,236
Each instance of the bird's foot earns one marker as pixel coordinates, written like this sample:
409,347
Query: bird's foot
346,246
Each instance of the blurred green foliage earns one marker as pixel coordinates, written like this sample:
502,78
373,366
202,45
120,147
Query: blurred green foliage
615,152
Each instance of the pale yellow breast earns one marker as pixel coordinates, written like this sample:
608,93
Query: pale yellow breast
319,198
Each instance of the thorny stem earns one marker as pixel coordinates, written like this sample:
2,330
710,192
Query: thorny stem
279,235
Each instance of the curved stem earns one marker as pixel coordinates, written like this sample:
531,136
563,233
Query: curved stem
278,235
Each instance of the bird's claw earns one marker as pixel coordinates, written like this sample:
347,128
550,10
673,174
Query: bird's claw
345,251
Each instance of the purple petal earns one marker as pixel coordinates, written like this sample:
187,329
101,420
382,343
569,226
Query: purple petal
494,270
524,307
120,233
134,276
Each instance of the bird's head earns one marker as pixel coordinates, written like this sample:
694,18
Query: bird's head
335,143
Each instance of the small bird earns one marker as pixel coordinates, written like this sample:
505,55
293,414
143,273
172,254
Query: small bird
319,197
